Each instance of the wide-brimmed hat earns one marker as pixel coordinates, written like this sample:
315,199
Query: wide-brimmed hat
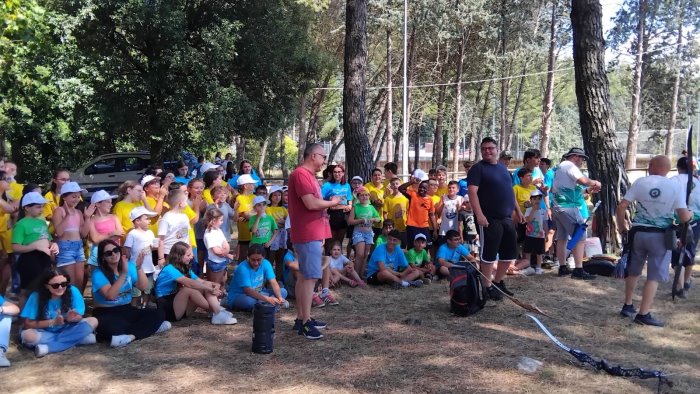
576,152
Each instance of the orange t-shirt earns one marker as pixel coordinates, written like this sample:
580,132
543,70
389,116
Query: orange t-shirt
419,209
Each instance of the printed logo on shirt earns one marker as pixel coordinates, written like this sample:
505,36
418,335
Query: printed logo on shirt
654,193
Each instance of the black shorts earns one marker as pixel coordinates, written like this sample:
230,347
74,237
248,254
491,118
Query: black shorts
521,229
373,280
30,266
165,304
498,240
348,234
336,218
533,245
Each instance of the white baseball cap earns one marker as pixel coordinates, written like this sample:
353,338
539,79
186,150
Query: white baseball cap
245,179
260,200
275,188
100,196
148,178
420,236
208,166
71,187
140,211
357,178
32,198
420,174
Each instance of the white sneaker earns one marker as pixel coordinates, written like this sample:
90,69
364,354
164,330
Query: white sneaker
121,340
539,271
41,350
223,310
88,340
222,318
4,362
164,326
527,271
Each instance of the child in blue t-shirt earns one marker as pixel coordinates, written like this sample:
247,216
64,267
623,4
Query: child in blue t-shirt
180,291
388,264
451,253
54,316
248,284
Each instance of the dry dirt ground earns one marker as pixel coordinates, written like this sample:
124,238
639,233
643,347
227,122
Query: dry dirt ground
369,348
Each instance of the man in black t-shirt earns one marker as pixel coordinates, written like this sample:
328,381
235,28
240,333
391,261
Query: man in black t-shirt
493,202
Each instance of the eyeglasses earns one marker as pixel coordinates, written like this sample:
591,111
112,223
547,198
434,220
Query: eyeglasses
322,155
55,286
108,253
488,148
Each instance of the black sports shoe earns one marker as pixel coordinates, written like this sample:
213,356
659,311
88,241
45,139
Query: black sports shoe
310,331
647,320
628,310
564,270
579,273
494,294
679,293
297,326
316,323
502,285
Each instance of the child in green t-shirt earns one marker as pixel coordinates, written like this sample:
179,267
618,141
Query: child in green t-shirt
419,258
386,227
263,227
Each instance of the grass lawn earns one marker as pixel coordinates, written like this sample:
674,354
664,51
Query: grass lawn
370,347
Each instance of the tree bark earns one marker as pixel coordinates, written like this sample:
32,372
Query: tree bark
516,108
482,122
354,88
263,153
548,102
316,103
633,133
337,142
302,129
595,114
438,141
676,89
505,91
458,104
240,149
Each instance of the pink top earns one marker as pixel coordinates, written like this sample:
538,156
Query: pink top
307,225
72,223
105,226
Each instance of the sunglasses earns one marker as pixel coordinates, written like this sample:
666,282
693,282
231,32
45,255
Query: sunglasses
55,286
108,253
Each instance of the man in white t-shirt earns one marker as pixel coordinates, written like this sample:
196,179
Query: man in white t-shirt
567,206
657,198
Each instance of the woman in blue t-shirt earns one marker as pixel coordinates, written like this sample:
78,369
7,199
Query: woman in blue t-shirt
337,186
180,291
54,316
248,284
112,282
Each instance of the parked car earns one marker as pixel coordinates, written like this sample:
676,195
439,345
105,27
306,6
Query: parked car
111,170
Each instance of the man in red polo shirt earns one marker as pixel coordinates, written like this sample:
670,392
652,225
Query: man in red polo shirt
309,227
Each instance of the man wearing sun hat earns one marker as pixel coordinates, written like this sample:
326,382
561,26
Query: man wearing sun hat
569,208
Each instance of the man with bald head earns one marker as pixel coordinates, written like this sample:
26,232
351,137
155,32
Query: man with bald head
657,198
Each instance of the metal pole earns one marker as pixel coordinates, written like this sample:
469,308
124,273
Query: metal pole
404,140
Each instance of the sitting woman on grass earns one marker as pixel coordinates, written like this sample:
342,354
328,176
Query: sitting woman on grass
112,282
247,286
180,291
54,316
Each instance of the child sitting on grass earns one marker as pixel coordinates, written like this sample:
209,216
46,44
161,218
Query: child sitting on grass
388,265
419,258
451,254
247,287
342,269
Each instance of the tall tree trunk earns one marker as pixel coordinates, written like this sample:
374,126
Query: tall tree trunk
316,103
380,147
397,147
378,136
458,104
633,133
240,149
438,141
548,102
389,99
409,77
482,122
595,114
518,96
283,156
676,89
336,143
416,146
354,88
503,134
303,137
263,153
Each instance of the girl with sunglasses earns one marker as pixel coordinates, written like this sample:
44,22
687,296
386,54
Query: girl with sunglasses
112,281
54,316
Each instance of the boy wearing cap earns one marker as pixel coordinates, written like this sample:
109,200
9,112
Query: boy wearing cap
419,258
244,208
140,241
535,230
263,227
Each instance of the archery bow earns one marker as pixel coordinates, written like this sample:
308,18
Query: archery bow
678,268
602,364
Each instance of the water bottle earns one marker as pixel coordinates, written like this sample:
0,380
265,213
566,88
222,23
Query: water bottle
263,328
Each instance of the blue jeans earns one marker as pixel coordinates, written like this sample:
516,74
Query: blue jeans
5,323
64,338
246,302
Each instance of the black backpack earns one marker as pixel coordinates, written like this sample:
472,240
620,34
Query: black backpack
466,292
